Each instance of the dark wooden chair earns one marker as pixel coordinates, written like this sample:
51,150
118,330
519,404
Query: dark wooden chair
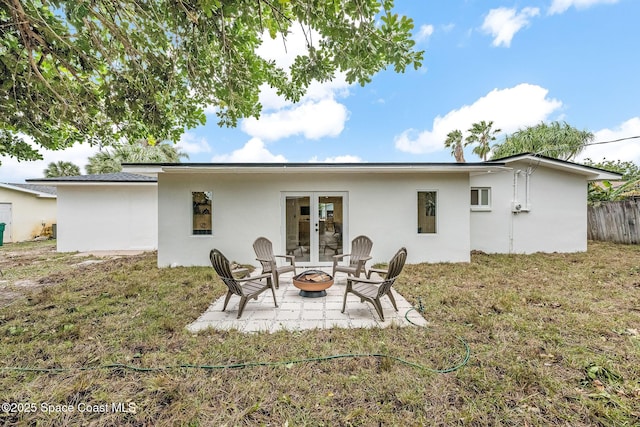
372,290
358,257
246,288
264,253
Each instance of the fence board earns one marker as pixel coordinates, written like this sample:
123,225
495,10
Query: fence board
617,222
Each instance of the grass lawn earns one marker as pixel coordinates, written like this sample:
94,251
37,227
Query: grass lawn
554,340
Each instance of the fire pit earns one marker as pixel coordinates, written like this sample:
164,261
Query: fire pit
312,283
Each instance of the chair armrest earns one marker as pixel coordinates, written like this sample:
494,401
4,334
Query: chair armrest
290,258
381,271
363,280
262,276
242,270
337,257
269,261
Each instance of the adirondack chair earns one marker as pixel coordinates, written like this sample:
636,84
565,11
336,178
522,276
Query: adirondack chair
359,255
264,253
246,288
372,290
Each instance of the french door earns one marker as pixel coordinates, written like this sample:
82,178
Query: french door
314,226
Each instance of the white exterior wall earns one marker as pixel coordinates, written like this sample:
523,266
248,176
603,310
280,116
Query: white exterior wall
107,217
245,206
490,230
556,222
28,213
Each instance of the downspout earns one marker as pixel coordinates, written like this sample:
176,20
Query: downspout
513,201
528,197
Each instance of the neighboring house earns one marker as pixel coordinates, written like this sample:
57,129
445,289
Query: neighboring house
116,211
27,210
439,211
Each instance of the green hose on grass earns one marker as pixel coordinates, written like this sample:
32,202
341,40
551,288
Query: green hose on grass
121,366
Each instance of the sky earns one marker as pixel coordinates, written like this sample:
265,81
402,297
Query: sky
517,63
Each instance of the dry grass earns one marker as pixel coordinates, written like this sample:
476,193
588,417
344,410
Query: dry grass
554,341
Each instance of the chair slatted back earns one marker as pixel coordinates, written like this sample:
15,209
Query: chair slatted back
264,251
222,266
360,248
395,268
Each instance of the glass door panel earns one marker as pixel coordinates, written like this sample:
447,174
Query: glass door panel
330,222
297,225
314,226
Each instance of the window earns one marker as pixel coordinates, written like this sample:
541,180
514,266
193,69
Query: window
202,212
480,198
427,212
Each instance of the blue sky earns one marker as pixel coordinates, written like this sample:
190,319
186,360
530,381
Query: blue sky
517,63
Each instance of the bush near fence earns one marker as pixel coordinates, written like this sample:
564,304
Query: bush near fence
617,222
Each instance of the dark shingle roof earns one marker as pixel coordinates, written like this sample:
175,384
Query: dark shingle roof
103,177
32,187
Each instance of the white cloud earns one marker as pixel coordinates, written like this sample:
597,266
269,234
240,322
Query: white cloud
191,144
561,6
347,158
316,115
448,27
503,23
338,87
254,151
284,50
424,33
312,119
12,170
509,109
626,150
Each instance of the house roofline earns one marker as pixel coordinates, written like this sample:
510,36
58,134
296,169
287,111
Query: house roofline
123,178
592,173
39,194
309,167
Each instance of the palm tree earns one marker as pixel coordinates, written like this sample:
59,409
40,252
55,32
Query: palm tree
557,140
103,162
61,168
110,160
481,134
454,141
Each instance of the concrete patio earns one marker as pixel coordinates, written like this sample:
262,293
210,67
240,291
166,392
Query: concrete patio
295,312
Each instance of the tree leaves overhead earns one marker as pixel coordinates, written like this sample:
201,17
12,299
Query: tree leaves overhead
99,70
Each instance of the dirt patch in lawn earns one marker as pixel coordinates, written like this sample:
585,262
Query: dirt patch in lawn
28,267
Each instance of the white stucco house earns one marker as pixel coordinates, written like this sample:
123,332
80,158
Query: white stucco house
538,205
439,211
27,211
105,212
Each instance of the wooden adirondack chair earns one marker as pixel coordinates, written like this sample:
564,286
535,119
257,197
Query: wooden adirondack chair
264,253
359,255
372,290
246,288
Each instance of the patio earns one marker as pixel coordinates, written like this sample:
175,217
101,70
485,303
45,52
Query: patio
295,312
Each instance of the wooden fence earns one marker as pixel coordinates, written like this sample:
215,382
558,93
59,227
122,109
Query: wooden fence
617,222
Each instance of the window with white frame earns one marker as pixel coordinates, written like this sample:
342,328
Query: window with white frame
427,210
480,198
202,212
